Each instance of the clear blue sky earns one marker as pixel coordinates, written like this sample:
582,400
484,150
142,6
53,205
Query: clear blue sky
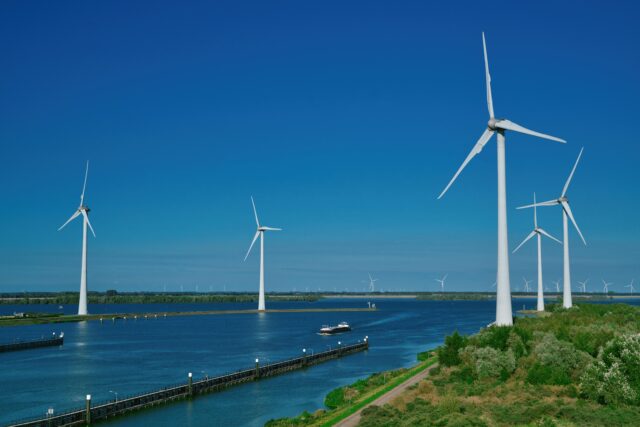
344,120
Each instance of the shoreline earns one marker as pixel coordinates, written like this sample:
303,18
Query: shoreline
45,319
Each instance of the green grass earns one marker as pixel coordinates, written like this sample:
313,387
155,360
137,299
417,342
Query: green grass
352,409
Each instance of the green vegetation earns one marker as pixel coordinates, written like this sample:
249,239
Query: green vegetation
113,297
576,367
346,400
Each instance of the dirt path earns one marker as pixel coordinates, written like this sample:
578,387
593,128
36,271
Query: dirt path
353,419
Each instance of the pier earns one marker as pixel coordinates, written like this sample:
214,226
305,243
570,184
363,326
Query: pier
94,413
26,345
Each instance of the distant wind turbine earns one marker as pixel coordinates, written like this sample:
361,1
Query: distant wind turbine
260,233
441,281
557,283
526,284
538,232
498,126
584,286
630,286
563,201
84,211
605,288
372,282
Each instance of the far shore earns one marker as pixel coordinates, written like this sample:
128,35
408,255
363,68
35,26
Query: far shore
44,318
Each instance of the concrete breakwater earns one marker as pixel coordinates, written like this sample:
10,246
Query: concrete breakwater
26,345
93,413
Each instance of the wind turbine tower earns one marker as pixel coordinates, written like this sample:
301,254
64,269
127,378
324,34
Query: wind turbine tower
538,232
260,233
498,126
84,211
605,287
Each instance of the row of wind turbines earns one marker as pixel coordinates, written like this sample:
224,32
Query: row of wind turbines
495,126
83,210
500,126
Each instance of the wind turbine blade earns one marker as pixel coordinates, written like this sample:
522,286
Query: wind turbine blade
445,277
509,125
74,216
533,233
84,186
547,203
252,243
255,212
484,138
567,209
271,229
575,165
370,278
548,235
86,218
487,77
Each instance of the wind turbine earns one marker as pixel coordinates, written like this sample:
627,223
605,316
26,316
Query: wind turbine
584,286
539,232
260,233
605,287
557,283
563,201
441,281
84,211
630,286
371,282
503,293
526,284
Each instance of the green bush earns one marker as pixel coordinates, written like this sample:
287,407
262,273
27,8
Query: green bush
488,362
550,351
334,398
615,377
496,337
448,353
545,374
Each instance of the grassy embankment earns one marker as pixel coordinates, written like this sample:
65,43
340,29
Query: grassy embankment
578,367
344,401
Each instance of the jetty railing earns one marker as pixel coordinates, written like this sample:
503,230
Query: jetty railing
91,414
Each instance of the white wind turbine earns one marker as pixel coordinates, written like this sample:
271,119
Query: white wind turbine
630,286
84,211
499,126
539,232
441,281
372,282
526,284
605,287
557,283
583,285
260,233
563,201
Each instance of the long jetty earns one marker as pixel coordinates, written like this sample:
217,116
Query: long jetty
26,345
100,412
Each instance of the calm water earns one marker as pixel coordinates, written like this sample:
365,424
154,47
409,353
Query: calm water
129,357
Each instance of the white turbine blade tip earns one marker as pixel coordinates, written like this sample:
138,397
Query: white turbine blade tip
509,125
